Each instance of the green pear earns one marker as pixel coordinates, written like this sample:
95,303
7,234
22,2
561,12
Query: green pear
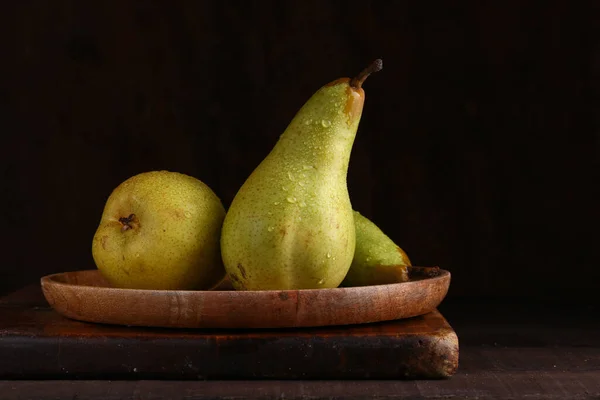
377,259
290,225
160,230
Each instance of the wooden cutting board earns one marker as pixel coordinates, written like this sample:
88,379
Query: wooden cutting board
36,342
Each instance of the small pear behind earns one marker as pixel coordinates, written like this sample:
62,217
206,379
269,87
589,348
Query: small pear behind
377,259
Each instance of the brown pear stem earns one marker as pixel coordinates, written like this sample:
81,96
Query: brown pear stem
127,222
358,80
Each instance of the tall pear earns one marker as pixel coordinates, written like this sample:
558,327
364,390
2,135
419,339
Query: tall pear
290,225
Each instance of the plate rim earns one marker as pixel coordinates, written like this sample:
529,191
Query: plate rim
239,305
49,279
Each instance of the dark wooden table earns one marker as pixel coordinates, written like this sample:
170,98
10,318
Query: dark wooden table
507,351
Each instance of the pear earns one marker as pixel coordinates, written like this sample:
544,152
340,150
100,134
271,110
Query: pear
377,259
290,225
160,230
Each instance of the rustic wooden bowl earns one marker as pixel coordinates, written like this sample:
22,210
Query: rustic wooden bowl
86,296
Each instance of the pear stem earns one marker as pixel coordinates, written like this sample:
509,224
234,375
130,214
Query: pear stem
127,222
358,80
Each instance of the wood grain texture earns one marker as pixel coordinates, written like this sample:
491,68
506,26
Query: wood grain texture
38,343
480,385
477,150
86,296
503,355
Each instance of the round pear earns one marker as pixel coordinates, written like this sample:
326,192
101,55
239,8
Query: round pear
160,230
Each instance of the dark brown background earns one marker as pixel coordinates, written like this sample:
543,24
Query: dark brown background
477,150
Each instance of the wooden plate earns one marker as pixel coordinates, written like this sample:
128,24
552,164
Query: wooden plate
86,296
